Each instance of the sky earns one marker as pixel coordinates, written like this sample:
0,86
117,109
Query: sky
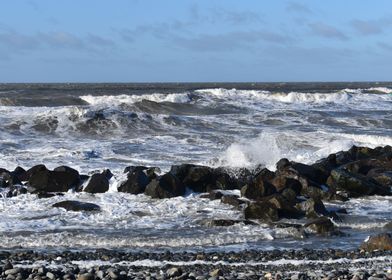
195,40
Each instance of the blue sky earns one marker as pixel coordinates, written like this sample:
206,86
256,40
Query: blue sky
199,40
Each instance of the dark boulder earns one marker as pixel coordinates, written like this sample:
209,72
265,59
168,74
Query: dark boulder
166,186
260,186
34,169
356,185
322,225
225,222
313,208
282,164
381,242
151,172
262,211
311,173
45,180
285,207
136,182
281,183
203,178
72,205
98,183
232,200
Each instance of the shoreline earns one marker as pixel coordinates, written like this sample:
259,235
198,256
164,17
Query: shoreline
255,264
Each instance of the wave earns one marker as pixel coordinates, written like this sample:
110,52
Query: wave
42,101
381,89
305,147
131,99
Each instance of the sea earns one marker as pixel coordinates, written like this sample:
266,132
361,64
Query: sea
91,127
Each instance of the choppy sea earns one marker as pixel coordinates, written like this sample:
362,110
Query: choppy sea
95,126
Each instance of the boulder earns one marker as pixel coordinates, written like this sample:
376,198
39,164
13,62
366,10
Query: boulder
33,170
203,178
355,185
212,195
98,183
136,183
322,225
313,208
232,200
43,180
166,186
225,222
264,211
72,205
260,186
382,242
281,183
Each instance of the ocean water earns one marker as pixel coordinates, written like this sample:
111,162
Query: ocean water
95,126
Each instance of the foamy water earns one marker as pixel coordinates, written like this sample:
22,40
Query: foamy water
216,127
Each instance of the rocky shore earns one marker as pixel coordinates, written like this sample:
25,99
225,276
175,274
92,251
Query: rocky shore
107,264
295,192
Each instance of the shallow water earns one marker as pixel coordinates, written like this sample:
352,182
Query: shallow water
104,126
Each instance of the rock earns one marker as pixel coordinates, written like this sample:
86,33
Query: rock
174,272
355,185
33,170
212,195
98,183
72,205
86,276
259,187
225,222
282,183
216,273
203,178
12,271
261,211
137,181
310,172
50,275
313,208
53,181
232,200
8,266
381,241
322,225
285,207
282,163
166,186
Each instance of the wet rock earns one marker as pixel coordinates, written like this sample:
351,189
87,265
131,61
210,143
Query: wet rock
136,182
203,178
225,222
282,183
98,183
166,186
232,200
381,241
174,272
72,205
264,211
313,208
86,276
355,185
53,181
322,225
259,187
212,195
33,170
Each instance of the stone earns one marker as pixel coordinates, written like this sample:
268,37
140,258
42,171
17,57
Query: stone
382,242
313,208
136,182
53,181
259,187
261,211
166,186
98,183
72,205
322,225
86,276
174,272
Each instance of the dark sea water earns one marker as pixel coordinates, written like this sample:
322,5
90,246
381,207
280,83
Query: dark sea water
95,126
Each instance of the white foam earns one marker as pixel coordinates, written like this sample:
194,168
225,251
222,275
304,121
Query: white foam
110,100
156,263
382,89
